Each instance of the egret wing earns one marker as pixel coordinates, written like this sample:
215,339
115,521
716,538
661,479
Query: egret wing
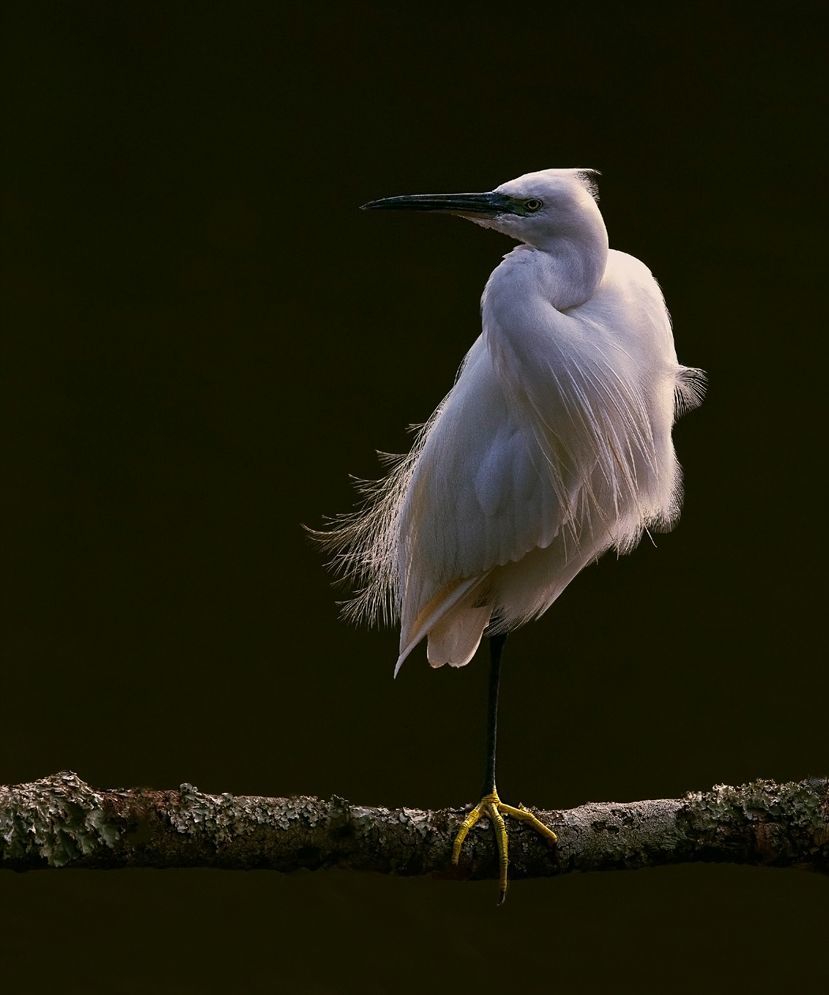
481,493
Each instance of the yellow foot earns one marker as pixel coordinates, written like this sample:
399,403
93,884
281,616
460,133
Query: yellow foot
494,809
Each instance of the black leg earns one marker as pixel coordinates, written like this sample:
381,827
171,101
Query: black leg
496,648
490,806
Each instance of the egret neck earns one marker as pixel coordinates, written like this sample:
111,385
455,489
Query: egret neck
563,269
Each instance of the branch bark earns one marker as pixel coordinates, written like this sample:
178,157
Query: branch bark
60,821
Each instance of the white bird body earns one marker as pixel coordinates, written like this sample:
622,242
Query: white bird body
553,446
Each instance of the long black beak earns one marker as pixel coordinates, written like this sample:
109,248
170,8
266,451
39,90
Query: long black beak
454,203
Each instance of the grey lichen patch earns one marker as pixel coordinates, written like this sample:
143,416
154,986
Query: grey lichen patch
762,821
53,822
197,813
362,819
225,819
417,820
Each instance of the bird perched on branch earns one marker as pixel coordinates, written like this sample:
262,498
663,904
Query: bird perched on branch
553,446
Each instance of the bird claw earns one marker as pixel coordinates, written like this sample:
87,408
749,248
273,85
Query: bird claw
494,809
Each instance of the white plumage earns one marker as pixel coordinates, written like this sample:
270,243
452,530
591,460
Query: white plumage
553,446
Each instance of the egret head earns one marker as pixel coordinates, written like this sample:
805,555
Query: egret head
537,208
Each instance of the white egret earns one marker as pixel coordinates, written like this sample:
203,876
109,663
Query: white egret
553,446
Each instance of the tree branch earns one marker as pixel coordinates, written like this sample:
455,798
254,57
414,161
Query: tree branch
60,821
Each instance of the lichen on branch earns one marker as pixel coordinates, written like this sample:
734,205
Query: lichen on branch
62,822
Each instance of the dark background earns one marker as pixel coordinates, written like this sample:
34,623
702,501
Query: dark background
202,337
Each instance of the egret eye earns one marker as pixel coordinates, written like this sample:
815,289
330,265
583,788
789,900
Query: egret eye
533,204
